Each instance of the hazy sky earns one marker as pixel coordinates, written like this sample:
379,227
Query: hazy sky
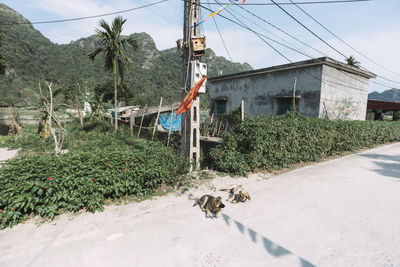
370,27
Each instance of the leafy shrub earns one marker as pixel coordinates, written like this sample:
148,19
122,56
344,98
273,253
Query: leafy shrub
99,166
275,142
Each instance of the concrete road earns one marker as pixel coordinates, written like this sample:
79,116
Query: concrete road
344,212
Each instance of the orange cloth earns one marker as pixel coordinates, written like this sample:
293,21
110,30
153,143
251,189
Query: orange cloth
187,101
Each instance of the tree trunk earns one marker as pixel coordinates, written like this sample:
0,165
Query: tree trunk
115,96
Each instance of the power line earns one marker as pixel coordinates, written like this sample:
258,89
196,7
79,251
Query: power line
340,39
223,42
87,17
308,29
329,83
256,33
262,36
366,83
384,85
299,3
291,48
279,29
262,39
320,37
308,45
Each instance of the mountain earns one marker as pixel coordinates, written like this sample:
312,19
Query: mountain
31,56
392,95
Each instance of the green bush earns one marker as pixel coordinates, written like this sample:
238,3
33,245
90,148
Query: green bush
98,166
274,142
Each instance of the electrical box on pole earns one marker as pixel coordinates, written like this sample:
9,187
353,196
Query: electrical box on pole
197,71
192,47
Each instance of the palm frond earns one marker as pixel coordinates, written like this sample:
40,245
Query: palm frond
105,26
131,41
91,55
113,45
117,24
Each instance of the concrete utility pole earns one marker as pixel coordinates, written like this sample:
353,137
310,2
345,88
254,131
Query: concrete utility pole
193,46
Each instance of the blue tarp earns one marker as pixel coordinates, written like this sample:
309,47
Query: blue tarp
165,119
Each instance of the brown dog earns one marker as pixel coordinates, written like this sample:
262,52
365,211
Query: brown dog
210,204
237,194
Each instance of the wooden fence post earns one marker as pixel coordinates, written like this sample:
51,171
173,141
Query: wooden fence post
132,121
242,110
170,124
156,123
141,122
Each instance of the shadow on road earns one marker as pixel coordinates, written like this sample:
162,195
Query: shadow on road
270,246
389,169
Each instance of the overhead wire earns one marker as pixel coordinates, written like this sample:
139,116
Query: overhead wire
278,5
87,17
223,42
280,53
304,26
260,36
345,73
279,29
256,33
262,39
263,28
344,42
299,3
321,38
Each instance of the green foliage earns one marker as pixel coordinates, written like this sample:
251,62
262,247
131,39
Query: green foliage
2,59
351,60
153,73
99,166
274,142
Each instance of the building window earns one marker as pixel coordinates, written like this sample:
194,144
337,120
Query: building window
221,105
285,104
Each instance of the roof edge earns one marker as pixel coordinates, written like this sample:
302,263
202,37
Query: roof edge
301,64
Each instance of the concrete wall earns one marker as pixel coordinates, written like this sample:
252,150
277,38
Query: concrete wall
343,95
260,92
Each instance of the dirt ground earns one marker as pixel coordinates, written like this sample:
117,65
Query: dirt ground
6,154
342,212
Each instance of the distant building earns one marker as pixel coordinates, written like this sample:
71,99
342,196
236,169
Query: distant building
377,109
325,88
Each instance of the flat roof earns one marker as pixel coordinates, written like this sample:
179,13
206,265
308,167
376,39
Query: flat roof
296,65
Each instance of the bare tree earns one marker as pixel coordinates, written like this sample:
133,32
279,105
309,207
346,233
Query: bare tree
81,91
15,121
49,106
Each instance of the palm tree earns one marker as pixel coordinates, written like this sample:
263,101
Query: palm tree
113,50
353,62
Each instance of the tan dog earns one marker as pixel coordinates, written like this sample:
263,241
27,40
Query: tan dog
237,194
210,204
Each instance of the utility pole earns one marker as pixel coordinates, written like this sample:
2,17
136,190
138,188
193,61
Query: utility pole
193,47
